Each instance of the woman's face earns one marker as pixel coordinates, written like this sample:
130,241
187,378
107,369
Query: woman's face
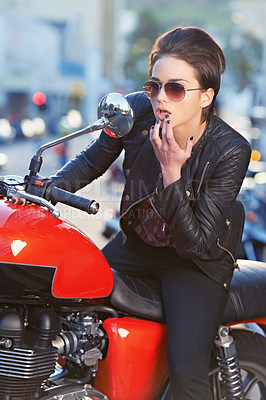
187,112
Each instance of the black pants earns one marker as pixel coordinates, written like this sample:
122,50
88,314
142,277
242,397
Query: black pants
193,304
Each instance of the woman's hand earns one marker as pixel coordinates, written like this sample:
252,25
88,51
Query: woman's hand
168,152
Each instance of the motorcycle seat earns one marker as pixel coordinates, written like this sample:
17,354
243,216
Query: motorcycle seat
142,297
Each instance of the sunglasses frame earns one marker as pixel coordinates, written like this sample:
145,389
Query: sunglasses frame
162,85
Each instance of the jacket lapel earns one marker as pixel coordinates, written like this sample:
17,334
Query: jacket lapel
144,174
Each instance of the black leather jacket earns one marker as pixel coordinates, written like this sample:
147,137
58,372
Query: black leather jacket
200,209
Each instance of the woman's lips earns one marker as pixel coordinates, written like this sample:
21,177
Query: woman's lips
161,114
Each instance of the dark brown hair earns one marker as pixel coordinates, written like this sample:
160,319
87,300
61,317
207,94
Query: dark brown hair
198,49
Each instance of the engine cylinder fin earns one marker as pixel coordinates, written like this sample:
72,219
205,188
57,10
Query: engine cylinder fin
23,371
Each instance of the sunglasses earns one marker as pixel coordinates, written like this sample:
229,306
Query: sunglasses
174,90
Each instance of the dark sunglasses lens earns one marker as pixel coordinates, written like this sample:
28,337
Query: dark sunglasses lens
175,91
151,89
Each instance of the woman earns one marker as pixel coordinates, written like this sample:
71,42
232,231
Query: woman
177,209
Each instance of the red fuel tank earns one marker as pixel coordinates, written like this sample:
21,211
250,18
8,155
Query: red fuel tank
45,256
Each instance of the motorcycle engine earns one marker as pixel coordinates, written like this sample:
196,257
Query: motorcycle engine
82,341
27,357
30,341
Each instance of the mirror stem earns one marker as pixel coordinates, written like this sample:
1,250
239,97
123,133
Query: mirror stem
99,124
36,161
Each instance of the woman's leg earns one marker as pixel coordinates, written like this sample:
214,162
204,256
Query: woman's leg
129,257
193,305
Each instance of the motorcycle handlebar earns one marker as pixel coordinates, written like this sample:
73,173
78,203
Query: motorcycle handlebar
56,194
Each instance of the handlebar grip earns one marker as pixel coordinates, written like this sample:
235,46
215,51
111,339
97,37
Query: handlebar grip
56,194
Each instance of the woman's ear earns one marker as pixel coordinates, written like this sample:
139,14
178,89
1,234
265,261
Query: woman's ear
207,97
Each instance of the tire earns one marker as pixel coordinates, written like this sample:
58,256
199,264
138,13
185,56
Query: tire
251,349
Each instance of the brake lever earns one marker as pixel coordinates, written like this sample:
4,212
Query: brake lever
12,192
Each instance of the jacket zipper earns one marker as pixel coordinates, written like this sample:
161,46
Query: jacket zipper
164,224
202,177
228,252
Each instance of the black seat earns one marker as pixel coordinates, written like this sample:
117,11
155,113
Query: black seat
247,295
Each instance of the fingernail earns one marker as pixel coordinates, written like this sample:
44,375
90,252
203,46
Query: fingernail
191,138
152,127
158,121
167,116
13,201
21,202
168,121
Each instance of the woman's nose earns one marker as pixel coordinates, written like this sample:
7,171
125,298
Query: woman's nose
162,96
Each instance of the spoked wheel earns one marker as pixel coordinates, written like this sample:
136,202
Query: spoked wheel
251,348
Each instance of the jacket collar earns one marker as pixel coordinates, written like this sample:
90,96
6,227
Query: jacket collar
204,137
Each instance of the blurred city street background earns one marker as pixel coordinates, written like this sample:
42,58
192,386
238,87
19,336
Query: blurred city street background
58,58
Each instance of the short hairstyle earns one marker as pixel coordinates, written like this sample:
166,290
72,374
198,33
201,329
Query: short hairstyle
198,49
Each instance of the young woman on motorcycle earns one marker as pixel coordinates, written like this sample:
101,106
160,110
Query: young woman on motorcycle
183,168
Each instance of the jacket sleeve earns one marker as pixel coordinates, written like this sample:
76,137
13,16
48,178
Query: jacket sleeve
99,155
196,225
89,164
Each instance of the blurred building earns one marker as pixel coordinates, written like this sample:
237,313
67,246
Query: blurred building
65,49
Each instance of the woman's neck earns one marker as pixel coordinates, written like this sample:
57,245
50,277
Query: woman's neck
181,134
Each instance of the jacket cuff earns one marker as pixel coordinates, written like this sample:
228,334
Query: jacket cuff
168,200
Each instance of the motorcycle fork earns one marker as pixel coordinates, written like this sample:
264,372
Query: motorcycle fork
228,363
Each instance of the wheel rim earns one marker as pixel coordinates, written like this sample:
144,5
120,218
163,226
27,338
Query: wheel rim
253,383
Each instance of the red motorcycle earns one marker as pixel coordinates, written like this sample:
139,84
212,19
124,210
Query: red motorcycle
71,328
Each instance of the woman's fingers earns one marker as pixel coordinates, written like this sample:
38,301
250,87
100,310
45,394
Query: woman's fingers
188,147
168,132
17,200
155,134
165,146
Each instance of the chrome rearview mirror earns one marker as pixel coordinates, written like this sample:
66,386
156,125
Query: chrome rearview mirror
115,117
116,108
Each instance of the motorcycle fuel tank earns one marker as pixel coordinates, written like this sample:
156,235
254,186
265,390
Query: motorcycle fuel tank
48,257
